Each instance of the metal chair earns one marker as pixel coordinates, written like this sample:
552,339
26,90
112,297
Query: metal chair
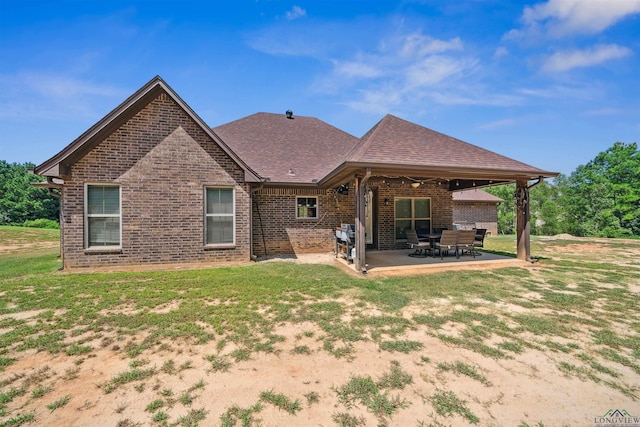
448,241
466,239
481,233
421,247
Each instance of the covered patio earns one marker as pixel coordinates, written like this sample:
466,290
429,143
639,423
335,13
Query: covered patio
398,262
399,162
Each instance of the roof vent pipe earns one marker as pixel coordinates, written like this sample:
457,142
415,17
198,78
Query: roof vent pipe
289,114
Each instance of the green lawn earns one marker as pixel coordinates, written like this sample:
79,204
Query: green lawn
581,304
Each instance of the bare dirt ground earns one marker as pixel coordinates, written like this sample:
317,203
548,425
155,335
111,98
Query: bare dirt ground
527,389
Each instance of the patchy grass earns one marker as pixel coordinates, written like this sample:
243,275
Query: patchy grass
403,346
126,377
461,368
446,404
59,403
362,390
396,378
280,401
579,309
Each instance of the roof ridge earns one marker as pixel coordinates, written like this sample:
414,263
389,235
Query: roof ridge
359,149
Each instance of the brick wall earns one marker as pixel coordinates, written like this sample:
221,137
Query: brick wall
162,161
284,234
389,188
274,221
477,214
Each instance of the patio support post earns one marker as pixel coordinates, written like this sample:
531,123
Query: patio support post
523,220
360,190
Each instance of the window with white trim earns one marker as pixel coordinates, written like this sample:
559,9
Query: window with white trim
306,207
412,212
103,216
220,210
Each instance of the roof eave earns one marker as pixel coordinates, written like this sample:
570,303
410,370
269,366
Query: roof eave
269,183
347,170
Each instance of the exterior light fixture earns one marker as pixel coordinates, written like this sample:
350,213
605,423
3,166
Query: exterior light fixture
415,184
386,202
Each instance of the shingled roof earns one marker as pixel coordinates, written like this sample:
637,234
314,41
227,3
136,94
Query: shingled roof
397,141
475,195
299,150
398,147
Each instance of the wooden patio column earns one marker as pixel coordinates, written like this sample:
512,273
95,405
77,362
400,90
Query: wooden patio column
360,191
523,220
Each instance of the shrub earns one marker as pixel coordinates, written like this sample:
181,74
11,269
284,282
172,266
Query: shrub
41,223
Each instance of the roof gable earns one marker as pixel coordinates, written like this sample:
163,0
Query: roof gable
400,142
59,165
300,150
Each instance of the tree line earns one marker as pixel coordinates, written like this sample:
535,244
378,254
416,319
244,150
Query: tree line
20,202
601,198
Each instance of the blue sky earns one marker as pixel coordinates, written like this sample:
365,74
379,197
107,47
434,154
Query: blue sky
551,83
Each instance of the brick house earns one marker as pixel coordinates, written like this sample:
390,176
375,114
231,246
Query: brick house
477,209
151,183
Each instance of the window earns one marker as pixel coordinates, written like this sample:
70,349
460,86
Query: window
306,207
102,222
412,213
220,216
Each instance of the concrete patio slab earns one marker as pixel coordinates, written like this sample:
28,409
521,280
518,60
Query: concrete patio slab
398,262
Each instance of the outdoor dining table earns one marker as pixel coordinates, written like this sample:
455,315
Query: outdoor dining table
433,238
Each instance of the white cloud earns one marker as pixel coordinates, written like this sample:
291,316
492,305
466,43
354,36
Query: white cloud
466,96
356,69
585,91
498,124
295,13
379,100
607,111
410,72
419,45
436,69
47,96
402,68
569,59
559,18
500,52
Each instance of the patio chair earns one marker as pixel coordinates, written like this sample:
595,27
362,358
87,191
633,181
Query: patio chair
466,239
481,233
421,247
448,241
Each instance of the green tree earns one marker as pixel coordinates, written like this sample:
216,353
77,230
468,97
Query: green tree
545,209
602,198
19,200
506,209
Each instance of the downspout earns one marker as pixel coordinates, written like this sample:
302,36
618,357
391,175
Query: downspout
539,181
